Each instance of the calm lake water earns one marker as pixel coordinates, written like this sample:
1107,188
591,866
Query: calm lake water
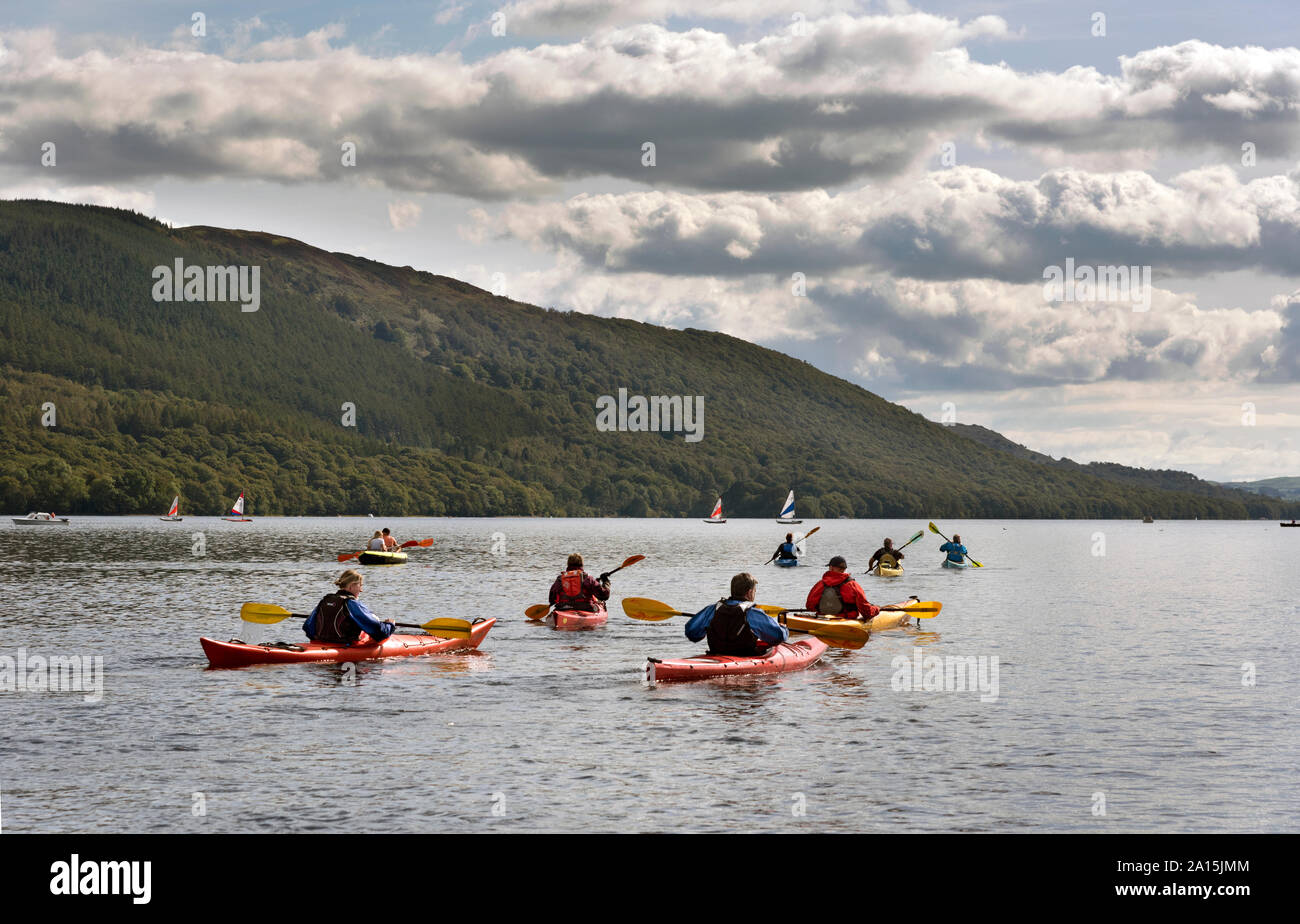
1120,678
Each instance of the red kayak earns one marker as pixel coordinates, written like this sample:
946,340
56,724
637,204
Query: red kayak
241,654
788,656
578,619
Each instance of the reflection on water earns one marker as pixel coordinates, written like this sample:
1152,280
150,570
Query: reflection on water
1123,674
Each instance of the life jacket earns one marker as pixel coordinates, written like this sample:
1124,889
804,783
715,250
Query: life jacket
831,603
788,550
729,631
334,624
888,560
572,596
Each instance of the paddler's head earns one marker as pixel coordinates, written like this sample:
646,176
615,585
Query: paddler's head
789,537
575,563
956,537
351,581
889,543
838,564
742,586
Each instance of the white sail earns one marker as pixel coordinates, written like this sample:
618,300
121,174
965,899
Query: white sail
787,512
717,511
238,508
176,505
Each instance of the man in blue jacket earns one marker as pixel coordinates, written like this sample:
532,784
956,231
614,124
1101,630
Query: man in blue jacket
735,626
956,551
340,618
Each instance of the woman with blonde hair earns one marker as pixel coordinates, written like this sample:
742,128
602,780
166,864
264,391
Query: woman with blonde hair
376,542
341,619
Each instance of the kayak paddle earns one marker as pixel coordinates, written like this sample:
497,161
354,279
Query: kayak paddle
542,610
796,542
627,563
405,545
268,614
922,609
935,529
649,610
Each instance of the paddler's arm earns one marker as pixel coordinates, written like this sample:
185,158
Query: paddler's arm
369,622
309,626
766,628
698,627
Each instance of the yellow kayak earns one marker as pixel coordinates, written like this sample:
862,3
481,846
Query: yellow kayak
837,627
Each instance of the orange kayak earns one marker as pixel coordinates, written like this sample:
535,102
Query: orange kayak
241,654
788,656
578,619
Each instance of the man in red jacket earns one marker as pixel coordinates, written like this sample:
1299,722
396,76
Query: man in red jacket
837,594
575,589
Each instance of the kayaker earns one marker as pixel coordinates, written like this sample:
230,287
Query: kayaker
340,618
735,626
837,594
575,589
786,551
887,555
956,551
390,544
376,542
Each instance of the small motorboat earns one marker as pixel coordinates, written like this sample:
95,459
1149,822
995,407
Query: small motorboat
40,519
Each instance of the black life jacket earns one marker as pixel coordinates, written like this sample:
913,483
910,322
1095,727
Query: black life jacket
729,632
334,624
788,551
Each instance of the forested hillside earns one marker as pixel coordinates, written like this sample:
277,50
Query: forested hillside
466,403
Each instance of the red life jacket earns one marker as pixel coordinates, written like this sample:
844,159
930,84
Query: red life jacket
334,624
729,632
572,596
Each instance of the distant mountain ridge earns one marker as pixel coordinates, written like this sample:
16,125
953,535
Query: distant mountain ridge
1164,479
1285,487
462,403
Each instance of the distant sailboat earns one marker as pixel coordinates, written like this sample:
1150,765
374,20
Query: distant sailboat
716,516
172,511
786,515
237,509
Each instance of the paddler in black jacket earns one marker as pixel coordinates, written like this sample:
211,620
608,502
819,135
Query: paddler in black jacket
735,626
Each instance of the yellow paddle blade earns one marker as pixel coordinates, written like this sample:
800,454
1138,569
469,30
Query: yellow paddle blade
853,644
538,611
934,529
448,627
267,614
974,562
648,610
923,609
772,610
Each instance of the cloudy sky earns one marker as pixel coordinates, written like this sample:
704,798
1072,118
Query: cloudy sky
877,188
